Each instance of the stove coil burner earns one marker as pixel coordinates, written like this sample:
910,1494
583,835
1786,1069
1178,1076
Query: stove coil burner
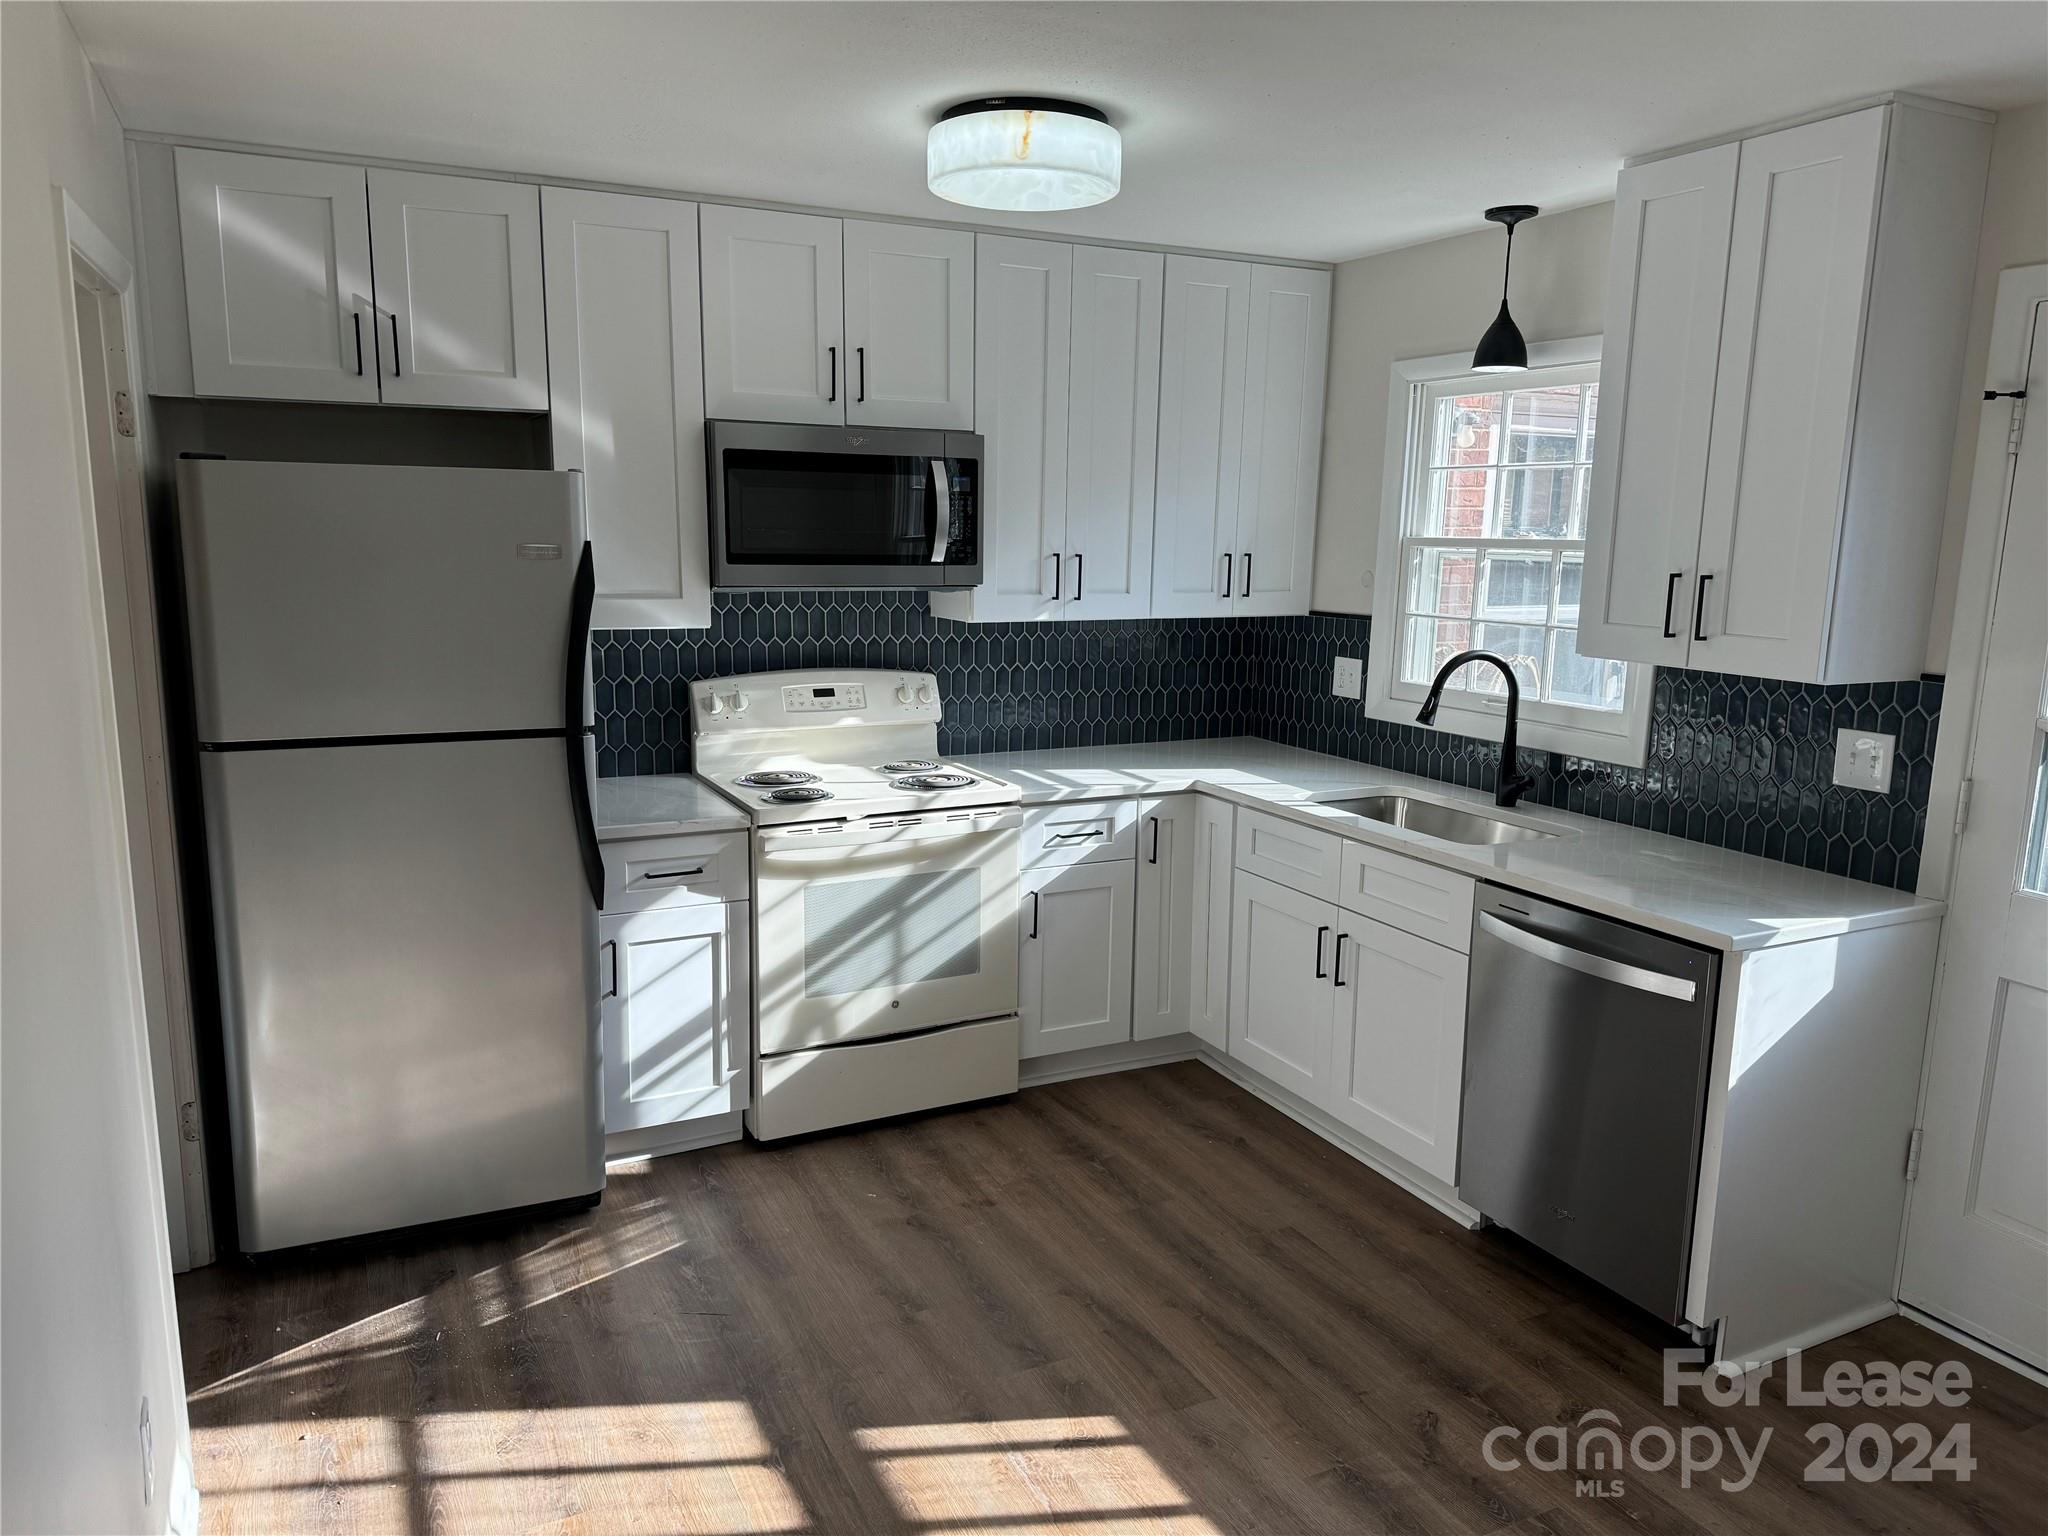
935,781
798,794
776,778
908,765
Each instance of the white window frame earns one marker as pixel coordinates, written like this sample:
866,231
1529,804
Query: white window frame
1610,737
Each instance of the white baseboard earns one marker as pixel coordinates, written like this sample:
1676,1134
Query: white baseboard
662,1140
1848,1322
1976,1345
1125,1056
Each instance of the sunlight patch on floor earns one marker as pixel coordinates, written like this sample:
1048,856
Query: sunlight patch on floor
574,1260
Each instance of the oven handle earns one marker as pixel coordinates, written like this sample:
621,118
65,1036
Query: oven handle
929,829
942,509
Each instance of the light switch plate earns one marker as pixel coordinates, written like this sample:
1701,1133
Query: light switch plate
1863,759
1348,680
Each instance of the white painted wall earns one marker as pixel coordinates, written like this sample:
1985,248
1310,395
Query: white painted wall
1418,302
2015,235
87,1325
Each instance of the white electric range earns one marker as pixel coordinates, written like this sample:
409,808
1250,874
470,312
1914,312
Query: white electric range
885,896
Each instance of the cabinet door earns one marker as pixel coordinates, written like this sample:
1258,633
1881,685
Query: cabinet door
677,1004
460,315
909,326
1163,968
772,316
1074,957
1666,273
1201,427
1399,1058
277,276
1112,432
626,398
1287,355
1798,271
1024,306
1212,866
1281,1001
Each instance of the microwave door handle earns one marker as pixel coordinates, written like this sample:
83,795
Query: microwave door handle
941,509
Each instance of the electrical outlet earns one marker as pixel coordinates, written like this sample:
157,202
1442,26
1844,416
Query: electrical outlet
1863,759
1348,679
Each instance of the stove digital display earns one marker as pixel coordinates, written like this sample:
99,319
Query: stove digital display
844,696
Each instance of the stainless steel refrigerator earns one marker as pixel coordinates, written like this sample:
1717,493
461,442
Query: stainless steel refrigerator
390,684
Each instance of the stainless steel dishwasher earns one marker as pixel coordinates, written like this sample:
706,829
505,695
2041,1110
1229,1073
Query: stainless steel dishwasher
1587,1044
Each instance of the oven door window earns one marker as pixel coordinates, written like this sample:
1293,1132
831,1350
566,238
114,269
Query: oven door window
816,508
893,931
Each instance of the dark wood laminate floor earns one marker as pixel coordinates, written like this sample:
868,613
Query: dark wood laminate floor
1145,1302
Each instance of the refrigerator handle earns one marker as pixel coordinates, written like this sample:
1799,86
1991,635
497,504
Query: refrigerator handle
575,674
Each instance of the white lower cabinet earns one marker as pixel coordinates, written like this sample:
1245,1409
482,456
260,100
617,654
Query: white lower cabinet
1163,974
1211,867
1074,937
678,1011
1282,1005
1399,1046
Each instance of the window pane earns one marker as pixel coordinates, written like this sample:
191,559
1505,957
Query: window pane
2034,869
1571,577
1520,646
1517,586
1586,681
1428,644
1466,430
1592,414
1441,581
1456,508
1543,425
1539,503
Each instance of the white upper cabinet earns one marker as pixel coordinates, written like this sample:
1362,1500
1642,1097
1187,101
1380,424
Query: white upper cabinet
1112,432
277,277
1785,331
460,314
1280,460
1201,436
627,398
773,324
909,326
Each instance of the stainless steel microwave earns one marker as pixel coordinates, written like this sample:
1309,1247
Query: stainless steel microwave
809,506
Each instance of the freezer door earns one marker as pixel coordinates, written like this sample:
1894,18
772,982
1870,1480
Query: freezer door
408,976
344,600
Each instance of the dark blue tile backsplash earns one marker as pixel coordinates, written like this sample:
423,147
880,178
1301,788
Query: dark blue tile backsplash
1736,762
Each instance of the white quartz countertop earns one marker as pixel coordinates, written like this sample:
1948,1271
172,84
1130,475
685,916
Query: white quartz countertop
1711,896
661,805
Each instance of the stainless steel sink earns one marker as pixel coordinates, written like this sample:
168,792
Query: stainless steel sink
1434,820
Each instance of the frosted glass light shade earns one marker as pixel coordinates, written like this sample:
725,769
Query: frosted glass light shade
1021,154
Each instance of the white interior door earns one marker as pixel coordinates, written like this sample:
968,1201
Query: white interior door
1281,1001
459,291
1201,436
1977,1236
773,316
1024,306
1112,432
1287,354
626,391
909,325
1074,963
277,276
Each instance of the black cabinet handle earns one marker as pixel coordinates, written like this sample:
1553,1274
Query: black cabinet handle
832,373
1077,577
1057,564
1247,592
1226,574
1699,610
1034,915
394,344
860,357
611,947
1070,837
1337,975
1155,841
359,343
1321,934
1670,595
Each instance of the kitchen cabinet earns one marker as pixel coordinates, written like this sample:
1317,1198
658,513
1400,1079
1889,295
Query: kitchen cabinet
1786,319
626,398
1112,432
457,264
677,1013
773,316
1075,936
289,297
1282,1004
1398,1052
909,325
1162,986
277,276
1209,919
1287,354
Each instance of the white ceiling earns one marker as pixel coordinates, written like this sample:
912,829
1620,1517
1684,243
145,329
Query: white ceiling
1307,130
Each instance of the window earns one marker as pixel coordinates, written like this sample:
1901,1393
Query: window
1483,547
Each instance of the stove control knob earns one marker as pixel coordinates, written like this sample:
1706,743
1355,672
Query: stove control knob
924,693
713,704
739,702
903,694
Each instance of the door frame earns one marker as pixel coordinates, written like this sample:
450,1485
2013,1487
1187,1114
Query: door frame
126,632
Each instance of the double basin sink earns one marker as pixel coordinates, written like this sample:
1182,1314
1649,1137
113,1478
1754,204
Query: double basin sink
1432,818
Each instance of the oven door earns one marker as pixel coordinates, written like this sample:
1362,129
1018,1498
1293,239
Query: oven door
885,926
795,506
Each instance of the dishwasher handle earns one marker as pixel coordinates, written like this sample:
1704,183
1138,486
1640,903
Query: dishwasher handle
1597,966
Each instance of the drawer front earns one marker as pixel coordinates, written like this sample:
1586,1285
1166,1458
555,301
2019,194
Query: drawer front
1407,894
1298,857
1079,832
650,872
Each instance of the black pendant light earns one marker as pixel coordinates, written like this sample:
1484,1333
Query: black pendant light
1501,349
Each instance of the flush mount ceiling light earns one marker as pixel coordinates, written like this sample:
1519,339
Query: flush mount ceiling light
1501,349
1029,154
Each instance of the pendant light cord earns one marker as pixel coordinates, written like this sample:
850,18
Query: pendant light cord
1507,265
